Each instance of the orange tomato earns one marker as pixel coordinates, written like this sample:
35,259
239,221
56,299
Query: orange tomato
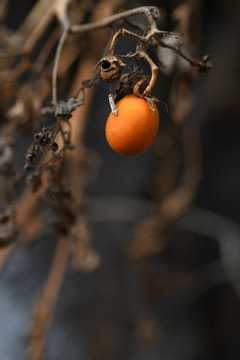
134,128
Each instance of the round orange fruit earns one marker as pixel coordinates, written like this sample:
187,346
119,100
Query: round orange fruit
135,126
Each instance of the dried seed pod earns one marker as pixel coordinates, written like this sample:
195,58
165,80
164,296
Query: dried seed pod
111,68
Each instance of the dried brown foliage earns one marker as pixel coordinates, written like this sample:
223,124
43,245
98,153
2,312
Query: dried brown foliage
57,157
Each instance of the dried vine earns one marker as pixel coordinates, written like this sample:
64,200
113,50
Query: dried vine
57,148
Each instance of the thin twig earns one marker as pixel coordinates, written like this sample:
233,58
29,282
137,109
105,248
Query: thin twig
154,70
97,25
204,65
55,66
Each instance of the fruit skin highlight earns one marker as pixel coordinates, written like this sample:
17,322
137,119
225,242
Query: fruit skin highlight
134,128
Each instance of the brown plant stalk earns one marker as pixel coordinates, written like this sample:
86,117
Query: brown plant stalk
45,308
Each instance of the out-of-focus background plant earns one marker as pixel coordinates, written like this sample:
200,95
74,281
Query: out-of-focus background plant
104,256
